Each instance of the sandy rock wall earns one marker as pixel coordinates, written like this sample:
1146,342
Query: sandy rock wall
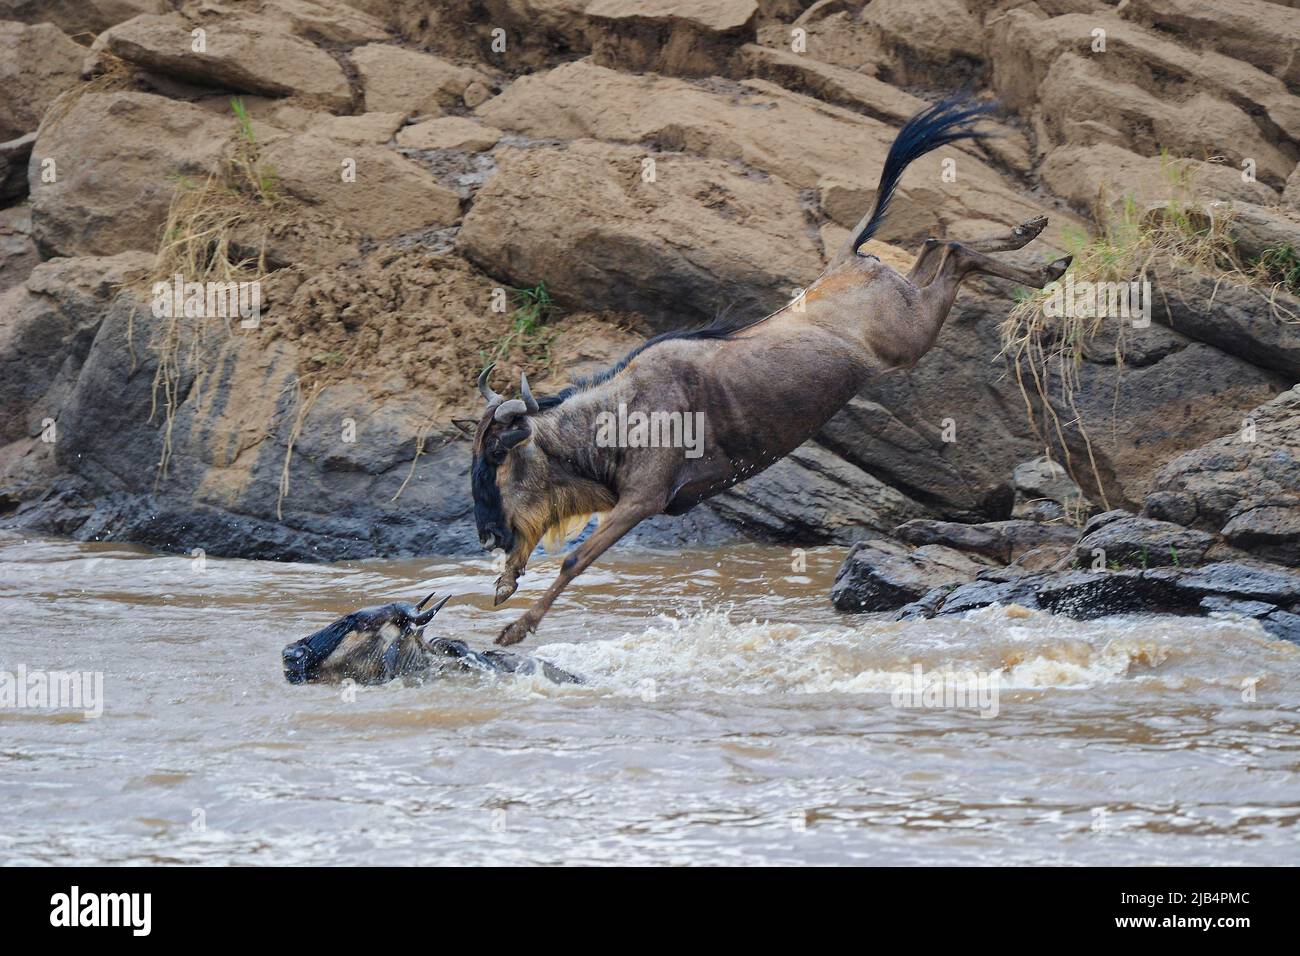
399,166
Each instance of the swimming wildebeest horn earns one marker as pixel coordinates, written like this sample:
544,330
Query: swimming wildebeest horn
529,401
484,389
420,606
422,619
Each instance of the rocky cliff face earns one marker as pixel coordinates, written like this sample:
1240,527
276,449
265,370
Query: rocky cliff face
390,171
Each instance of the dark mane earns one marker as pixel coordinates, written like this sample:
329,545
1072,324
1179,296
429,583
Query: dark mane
327,638
721,326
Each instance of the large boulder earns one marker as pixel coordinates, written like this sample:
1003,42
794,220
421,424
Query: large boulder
814,497
1245,485
682,37
231,432
1045,491
310,167
449,132
808,144
37,63
138,142
883,575
46,329
334,21
1247,321
1253,31
831,84
1099,175
1120,539
1256,230
1005,541
75,17
407,81
1144,90
1270,595
247,54
926,42
1122,421
584,219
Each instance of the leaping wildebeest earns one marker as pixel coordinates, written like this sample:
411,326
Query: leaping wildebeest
764,387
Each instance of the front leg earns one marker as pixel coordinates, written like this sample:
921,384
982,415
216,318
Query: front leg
625,516
516,631
516,561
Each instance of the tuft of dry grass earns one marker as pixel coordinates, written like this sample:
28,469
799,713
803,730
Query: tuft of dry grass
1129,245
199,243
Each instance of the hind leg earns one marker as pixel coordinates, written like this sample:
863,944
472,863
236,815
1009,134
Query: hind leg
928,262
950,263
973,261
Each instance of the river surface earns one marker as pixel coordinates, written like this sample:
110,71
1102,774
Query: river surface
730,717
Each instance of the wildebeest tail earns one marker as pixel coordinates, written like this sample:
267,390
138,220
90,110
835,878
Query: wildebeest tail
945,122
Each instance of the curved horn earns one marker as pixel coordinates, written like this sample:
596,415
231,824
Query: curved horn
484,389
509,411
421,619
529,401
421,605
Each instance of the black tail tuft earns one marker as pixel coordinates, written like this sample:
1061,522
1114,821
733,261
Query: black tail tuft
945,122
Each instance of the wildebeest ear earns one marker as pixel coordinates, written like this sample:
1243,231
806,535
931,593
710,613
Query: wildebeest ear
468,427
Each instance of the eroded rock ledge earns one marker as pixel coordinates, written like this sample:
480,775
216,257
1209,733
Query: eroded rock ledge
1119,564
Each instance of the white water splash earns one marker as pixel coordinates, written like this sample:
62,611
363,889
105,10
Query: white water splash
711,652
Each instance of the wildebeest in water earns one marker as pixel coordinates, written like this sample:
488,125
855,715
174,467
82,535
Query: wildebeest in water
379,644
764,386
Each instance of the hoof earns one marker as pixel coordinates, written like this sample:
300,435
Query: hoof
1057,269
1027,232
514,633
504,590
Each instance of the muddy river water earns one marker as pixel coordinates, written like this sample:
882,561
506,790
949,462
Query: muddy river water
730,716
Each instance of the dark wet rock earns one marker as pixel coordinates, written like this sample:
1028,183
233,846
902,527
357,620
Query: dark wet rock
884,575
1131,541
1139,418
1283,624
13,166
1268,594
1274,584
902,448
1045,491
1270,529
1004,541
1137,347
47,326
223,495
1245,485
1223,605
1241,320
813,496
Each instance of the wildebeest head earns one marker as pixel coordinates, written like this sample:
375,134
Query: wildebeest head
367,646
503,429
